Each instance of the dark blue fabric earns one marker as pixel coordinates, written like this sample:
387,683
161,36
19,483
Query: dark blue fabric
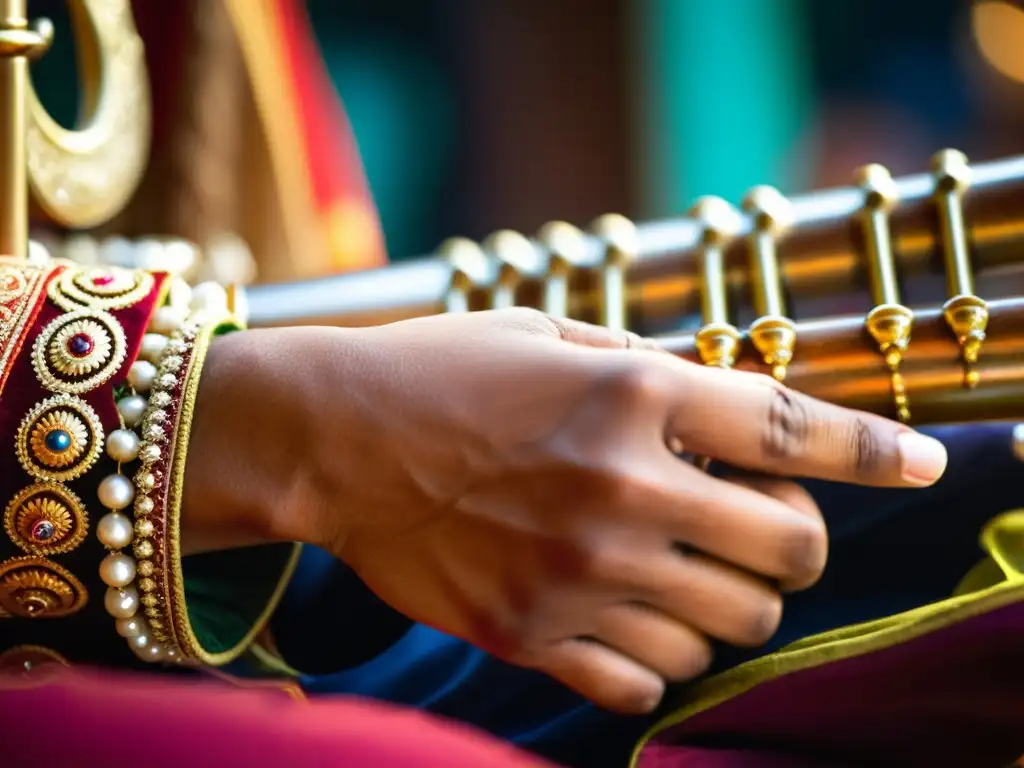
869,576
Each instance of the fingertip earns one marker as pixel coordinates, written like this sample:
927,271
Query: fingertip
923,459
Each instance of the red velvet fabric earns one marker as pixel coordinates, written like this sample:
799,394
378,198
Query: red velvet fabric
88,634
109,720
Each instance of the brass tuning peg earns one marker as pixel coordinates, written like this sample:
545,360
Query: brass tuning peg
890,323
965,313
718,341
566,246
774,332
470,269
515,258
620,240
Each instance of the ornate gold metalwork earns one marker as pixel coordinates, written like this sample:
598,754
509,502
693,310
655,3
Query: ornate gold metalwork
774,332
81,178
36,588
965,312
470,269
46,519
18,44
566,247
59,439
890,323
620,247
55,343
99,288
718,341
515,258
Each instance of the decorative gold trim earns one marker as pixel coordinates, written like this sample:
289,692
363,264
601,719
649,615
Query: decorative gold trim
37,588
78,420
12,284
16,316
47,347
180,624
107,288
50,503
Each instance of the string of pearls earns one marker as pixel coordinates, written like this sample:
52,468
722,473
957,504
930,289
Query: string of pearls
139,438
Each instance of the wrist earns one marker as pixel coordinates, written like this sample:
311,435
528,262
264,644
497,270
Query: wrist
246,481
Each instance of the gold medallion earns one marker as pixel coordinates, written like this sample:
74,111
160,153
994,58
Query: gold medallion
78,351
36,588
100,288
46,519
59,439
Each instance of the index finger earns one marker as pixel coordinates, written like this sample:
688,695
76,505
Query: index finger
752,421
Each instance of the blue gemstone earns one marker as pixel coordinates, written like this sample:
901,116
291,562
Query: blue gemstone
43,530
58,440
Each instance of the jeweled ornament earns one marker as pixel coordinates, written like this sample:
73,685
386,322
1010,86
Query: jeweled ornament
79,351
99,288
35,588
59,439
46,519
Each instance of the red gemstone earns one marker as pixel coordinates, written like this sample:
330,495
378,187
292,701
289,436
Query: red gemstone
102,280
80,345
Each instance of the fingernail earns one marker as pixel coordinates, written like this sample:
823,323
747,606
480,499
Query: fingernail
923,458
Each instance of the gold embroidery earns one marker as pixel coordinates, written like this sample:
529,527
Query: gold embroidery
79,348
59,439
46,519
100,288
20,288
12,284
94,338
35,588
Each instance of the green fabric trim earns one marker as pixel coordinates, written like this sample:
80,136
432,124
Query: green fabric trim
228,593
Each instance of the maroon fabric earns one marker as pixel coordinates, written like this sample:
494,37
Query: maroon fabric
954,697
111,720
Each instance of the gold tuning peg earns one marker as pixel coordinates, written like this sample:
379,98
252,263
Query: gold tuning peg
774,332
567,249
718,341
965,313
620,247
470,269
890,323
514,259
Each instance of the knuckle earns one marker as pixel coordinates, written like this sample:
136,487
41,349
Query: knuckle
787,424
632,384
502,635
762,620
864,449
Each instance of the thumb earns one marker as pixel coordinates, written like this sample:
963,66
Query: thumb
587,335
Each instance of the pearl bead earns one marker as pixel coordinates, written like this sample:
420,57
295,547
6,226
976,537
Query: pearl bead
150,453
144,505
141,375
131,409
151,652
121,602
166,320
116,492
140,641
123,445
209,297
130,627
117,570
114,530
153,346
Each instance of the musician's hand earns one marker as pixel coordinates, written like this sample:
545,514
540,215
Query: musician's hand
506,478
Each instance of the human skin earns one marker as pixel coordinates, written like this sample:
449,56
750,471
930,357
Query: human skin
513,480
